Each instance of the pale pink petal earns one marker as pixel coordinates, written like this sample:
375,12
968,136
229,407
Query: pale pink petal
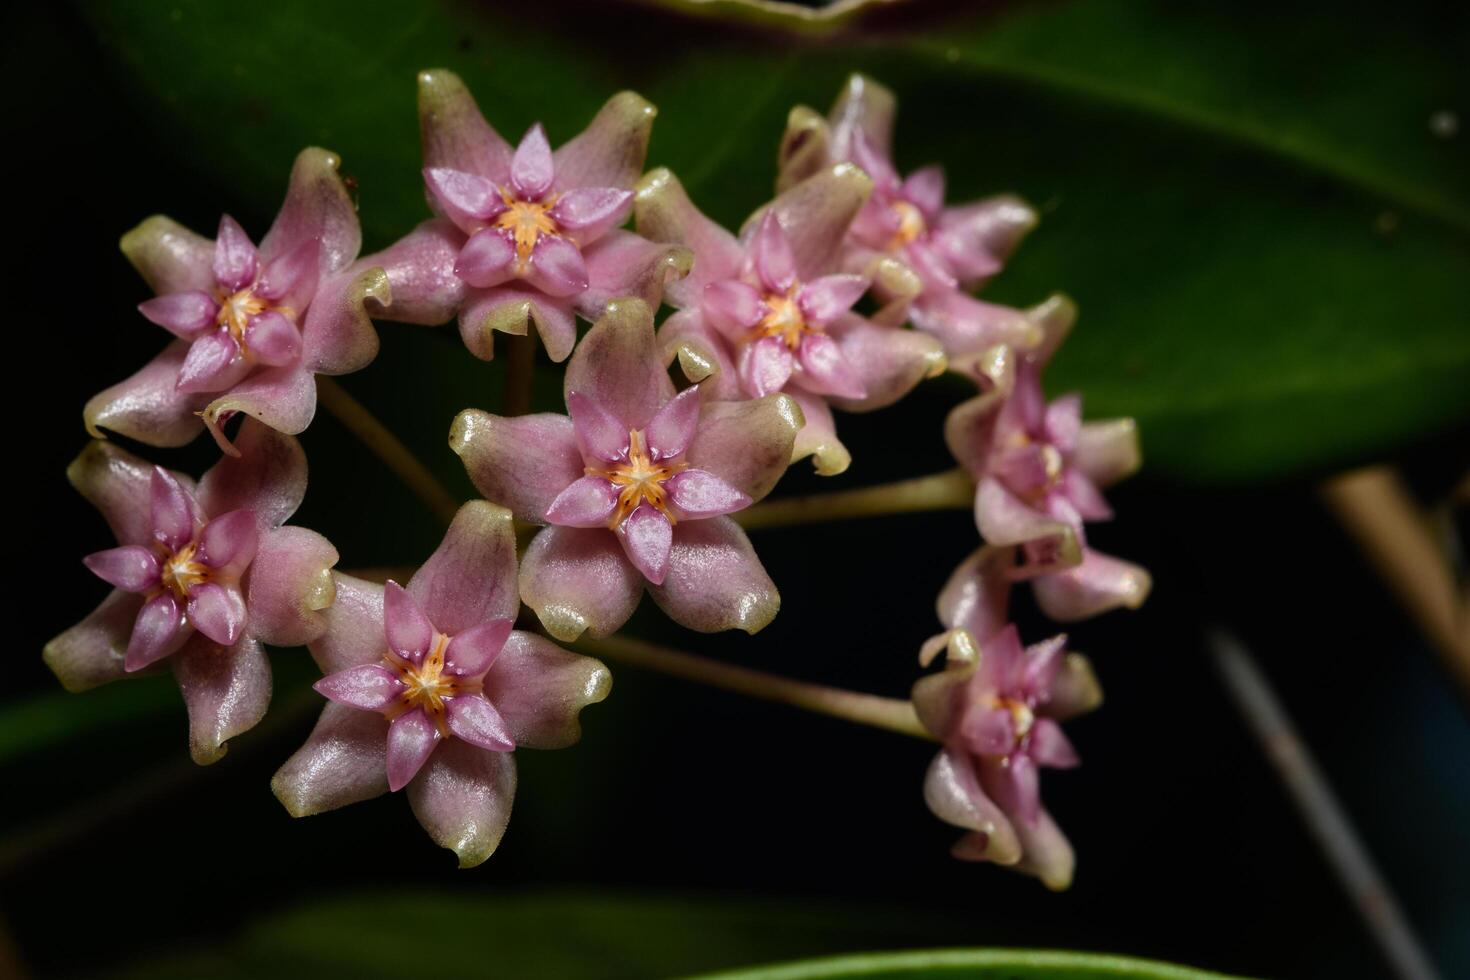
149,406
283,398
556,267
1062,422
170,257
473,652
588,212
522,463
925,189
342,762
1014,783
337,336
1043,661
824,300
468,200
531,169
1084,496
119,485
409,632
704,356
818,436
966,325
770,254
1045,852
600,434
698,494
748,443
539,689
1049,747
476,721
715,581
293,586
816,214
290,279
610,151
970,427
665,214
673,426
268,478
864,107
132,568
578,579
228,542
159,631
184,315
765,366
646,536
171,508
471,577
1074,690
235,259
217,611
226,689
411,738
512,309
420,271
272,339
1099,584
989,731
825,369
1107,451
732,307
589,502
488,258
617,365
454,132
370,687
977,596
621,263
213,364
463,798
354,626
953,793
991,228
1004,519
91,652
318,207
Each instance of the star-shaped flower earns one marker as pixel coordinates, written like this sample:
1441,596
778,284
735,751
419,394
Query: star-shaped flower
634,484
203,576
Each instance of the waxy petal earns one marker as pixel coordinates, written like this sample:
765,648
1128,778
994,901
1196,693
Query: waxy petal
476,721
235,259
1098,584
1049,747
420,274
272,339
952,791
1084,496
268,478
119,485
924,188
468,200
670,430
824,300
977,596
765,366
864,108
611,150
290,279
1045,852
149,406
1107,451
184,315
217,611
578,579
132,568
1015,784
697,494
160,630
531,168
353,633
1062,422
283,398
370,687
715,581
213,364
410,633
600,434
589,502
523,463
411,738
229,541
463,798
587,212
472,652
664,213
226,689
172,509
986,230
512,309
471,577
455,133
338,336
991,731
341,762
704,357
732,307
621,263
747,444
1003,519
818,436
617,365
825,369
91,652
286,602
539,689
770,254
966,325
646,536
1074,690
170,257
556,267
886,362
815,215
488,258
318,207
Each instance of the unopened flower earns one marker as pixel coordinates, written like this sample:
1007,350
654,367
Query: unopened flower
772,310
431,689
253,326
524,235
924,257
203,576
996,707
1039,472
635,485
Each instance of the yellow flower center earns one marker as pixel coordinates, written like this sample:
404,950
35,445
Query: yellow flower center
527,221
236,310
181,572
784,319
639,480
910,223
426,685
1022,717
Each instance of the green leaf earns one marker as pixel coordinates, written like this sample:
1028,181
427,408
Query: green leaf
973,964
43,721
1266,238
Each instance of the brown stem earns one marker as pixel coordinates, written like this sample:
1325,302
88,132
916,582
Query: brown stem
520,374
950,490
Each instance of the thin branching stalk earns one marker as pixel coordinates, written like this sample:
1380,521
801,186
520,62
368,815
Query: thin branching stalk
950,490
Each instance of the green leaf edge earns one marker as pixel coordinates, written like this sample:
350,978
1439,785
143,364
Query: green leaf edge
865,964
776,14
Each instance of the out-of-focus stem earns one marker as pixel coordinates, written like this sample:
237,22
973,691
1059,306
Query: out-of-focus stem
387,447
892,714
520,373
1376,508
950,490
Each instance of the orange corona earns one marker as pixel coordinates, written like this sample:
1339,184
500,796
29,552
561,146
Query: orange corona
639,480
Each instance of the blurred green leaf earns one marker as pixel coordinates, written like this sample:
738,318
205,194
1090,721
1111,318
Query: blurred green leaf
42,721
972,964
1266,238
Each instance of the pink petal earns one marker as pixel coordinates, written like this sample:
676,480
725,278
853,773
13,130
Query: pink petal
272,339
610,151
354,626
455,133
556,267
1015,784
732,306
371,687
283,398
420,270
1107,451
466,199
531,169
816,215
267,478
132,568
673,426
214,364
337,335
472,652
1084,496
476,721
1062,422
471,577
770,252
983,234
818,437
705,356
825,370
824,300
522,462
182,314
697,494
217,611
746,443
600,434
874,161
765,366
411,738
1045,852
578,579
170,257
977,596
888,361
91,652
1004,519
665,214
617,364
1100,583
318,207
226,690
408,630
287,603
148,406
715,581
511,309
342,762
172,510
620,263
119,485
989,731
463,799
235,258
539,689
158,631
290,278
1026,470
953,793
925,189
1043,661
229,541
646,536
587,503
487,259
590,211
1049,747
1002,665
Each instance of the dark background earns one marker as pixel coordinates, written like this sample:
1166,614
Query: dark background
691,829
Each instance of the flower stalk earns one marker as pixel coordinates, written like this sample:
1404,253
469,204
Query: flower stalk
950,490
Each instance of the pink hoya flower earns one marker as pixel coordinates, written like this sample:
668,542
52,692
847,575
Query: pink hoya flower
1039,471
996,708
924,257
524,235
252,326
635,485
431,689
772,310
203,576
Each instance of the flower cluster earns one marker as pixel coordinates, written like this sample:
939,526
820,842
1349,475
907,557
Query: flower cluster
429,686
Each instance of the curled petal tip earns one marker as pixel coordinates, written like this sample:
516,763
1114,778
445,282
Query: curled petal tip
564,623
935,363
